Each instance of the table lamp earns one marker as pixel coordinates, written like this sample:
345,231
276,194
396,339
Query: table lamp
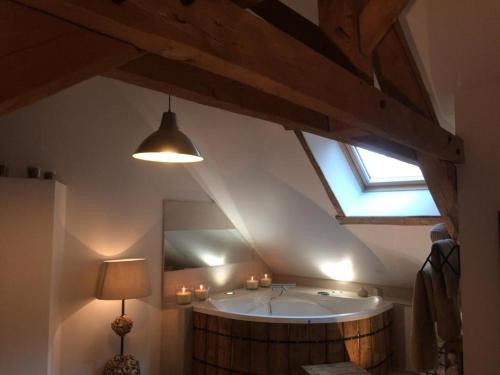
123,279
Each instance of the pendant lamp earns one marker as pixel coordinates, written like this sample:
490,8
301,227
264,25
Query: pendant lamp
168,144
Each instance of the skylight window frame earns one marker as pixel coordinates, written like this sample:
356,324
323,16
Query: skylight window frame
362,175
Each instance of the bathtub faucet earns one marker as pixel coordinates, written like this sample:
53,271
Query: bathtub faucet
283,286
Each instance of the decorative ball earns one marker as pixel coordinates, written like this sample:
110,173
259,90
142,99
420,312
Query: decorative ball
122,365
122,325
362,292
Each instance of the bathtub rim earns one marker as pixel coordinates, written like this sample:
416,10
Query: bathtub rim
204,308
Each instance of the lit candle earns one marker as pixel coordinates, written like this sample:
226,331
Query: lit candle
252,284
265,281
201,293
183,296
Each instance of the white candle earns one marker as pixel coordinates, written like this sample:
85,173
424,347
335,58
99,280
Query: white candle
265,281
201,293
183,296
252,284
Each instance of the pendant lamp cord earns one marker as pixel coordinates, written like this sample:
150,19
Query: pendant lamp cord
169,103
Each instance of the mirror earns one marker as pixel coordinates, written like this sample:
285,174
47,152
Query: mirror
198,234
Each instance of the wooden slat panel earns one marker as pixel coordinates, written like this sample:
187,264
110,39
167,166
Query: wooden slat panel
41,55
241,347
222,38
336,351
212,340
365,344
317,332
224,344
299,352
278,352
277,348
259,349
198,368
211,370
351,329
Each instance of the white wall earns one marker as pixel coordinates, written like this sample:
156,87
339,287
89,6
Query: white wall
31,236
478,123
114,209
256,172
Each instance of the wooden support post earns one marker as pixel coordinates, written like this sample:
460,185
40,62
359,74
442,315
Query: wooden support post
375,20
398,75
339,20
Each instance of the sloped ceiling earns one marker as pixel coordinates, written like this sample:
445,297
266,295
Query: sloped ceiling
260,176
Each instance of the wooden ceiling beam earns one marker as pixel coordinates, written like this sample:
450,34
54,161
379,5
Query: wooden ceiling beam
220,37
398,76
375,20
300,28
199,86
41,55
338,19
172,77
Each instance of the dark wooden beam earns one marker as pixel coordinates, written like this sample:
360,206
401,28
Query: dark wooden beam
297,26
247,3
398,75
326,186
375,21
339,21
220,37
41,55
188,82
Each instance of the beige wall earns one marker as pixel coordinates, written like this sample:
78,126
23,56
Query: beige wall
114,210
478,123
31,236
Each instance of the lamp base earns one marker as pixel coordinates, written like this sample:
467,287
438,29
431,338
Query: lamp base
122,325
122,365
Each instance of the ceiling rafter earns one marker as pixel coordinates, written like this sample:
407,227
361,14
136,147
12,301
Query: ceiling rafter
41,55
205,34
88,53
339,21
398,75
375,20
188,82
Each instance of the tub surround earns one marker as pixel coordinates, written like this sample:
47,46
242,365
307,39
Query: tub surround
239,346
296,305
397,295
217,279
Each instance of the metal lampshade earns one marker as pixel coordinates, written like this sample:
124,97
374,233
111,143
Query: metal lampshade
168,144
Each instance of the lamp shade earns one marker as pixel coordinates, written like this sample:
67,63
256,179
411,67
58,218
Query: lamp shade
168,144
123,279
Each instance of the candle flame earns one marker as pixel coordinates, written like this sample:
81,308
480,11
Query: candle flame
183,289
265,276
251,278
201,286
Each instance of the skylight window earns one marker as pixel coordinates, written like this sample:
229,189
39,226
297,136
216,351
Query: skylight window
377,170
